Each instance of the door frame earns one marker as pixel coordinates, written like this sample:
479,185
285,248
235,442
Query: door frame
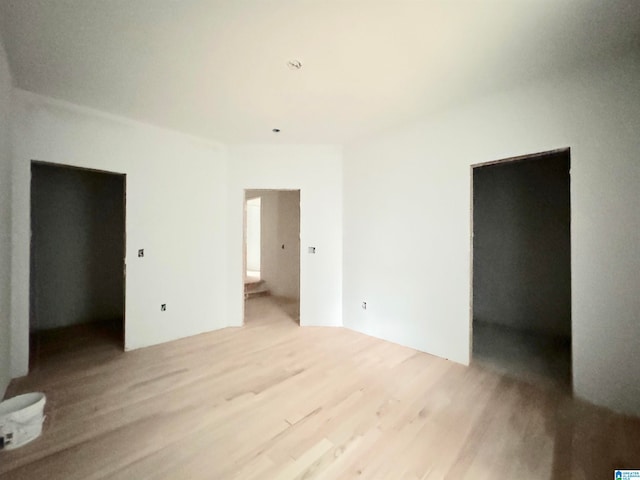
516,159
244,243
123,176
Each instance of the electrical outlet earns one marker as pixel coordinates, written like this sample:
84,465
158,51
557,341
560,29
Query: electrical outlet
163,307
364,305
312,250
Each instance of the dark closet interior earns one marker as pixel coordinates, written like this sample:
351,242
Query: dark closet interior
522,267
77,289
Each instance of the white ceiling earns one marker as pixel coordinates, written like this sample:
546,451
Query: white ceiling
217,69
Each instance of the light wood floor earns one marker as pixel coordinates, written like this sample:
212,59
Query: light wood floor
273,400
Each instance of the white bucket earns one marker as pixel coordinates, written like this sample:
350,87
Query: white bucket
21,419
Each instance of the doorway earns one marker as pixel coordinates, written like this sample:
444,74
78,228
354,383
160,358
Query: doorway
77,261
521,264
271,260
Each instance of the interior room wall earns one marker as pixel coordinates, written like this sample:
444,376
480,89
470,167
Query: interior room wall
77,247
269,238
407,220
253,234
5,220
315,170
176,211
280,249
289,231
522,245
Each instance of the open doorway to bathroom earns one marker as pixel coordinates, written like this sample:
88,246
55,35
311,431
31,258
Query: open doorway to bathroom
272,253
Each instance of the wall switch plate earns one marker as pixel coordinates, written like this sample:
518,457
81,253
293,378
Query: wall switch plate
312,250
163,307
141,253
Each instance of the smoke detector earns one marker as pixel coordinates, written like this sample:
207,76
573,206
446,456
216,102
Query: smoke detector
294,64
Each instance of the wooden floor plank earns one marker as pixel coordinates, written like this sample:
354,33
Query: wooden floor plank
273,400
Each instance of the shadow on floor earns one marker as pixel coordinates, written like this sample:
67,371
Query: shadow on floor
533,358
50,344
271,308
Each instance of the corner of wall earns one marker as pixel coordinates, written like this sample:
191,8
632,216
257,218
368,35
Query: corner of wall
6,87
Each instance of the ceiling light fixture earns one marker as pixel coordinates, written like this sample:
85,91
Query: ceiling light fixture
294,64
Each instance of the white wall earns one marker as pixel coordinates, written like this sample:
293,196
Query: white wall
317,172
77,247
269,237
253,234
280,247
176,210
5,220
407,221
289,236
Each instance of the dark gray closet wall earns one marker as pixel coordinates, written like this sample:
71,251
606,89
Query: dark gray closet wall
521,244
77,246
